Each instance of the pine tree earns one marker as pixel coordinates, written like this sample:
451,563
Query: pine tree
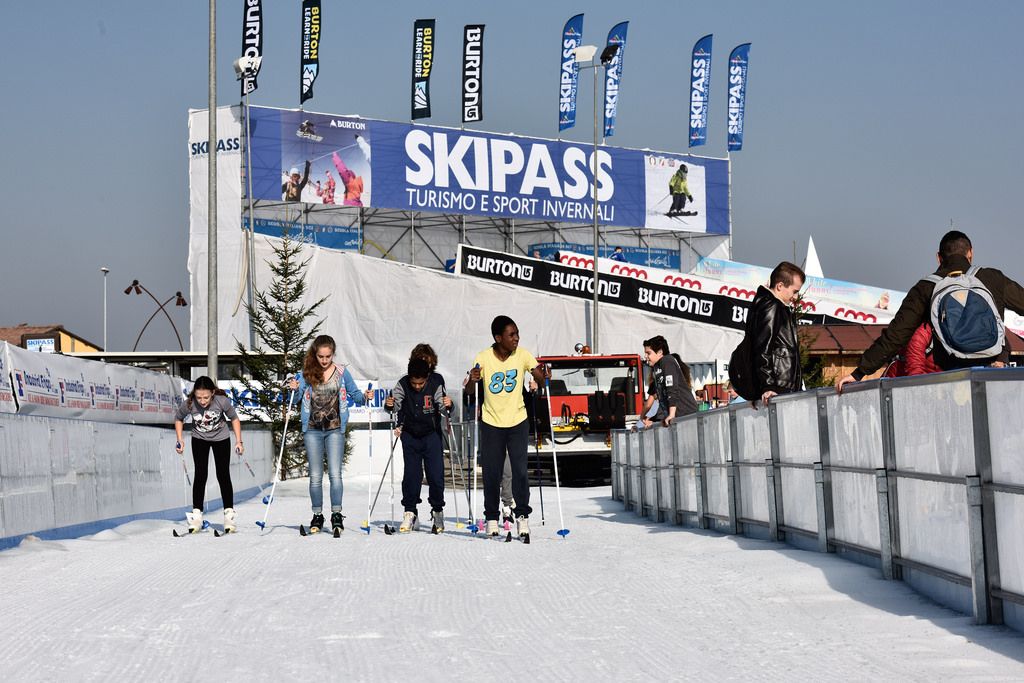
812,367
284,330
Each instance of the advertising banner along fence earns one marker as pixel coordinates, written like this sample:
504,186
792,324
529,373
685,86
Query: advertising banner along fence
446,170
7,404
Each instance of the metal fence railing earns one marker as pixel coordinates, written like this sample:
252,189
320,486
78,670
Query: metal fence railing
921,476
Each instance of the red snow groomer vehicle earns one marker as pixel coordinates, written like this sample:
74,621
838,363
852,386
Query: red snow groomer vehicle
590,396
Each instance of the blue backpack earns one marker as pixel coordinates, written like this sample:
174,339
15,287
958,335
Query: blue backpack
964,316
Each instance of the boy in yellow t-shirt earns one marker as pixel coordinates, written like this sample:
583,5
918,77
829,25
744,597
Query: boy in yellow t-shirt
504,370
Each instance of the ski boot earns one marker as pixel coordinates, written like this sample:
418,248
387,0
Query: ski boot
317,523
409,521
229,520
491,527
337,522
195,520
523,527
438,521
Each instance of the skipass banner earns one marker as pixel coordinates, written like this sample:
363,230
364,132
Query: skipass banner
613,77
424,168
569,73
700,89
669,300
63,386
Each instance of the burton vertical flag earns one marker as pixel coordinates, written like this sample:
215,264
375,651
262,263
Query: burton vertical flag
568,80
310,48
252,41
473,73
700,87
422,64
738,61
612,76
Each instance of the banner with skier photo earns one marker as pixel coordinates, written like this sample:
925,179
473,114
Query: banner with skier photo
568,79
252,42
473,73
310,55
700,89
738,62
422,65
613,77
322,159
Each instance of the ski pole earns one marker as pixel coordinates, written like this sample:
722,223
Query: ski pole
177,445
391,466
563,532
369,421
536,450
267,500
450,434
475,527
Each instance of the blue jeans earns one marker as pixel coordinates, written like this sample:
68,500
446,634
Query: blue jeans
331,441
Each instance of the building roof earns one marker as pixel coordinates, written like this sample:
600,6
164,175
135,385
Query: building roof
12,335
855,339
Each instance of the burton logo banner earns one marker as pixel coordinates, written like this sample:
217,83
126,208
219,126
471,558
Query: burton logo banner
738,61
310,48
568,78
252,41
473,73
422,65
613,74
700,86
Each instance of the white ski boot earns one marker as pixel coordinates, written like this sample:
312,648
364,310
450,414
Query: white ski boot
523,526
437,517
229,520
492,527
195,520
409,520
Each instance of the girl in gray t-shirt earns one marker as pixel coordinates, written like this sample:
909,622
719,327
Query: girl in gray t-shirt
211,412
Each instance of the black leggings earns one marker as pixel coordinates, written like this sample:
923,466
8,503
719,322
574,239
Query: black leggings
222,459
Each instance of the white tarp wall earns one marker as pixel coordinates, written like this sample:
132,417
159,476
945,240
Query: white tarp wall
378,310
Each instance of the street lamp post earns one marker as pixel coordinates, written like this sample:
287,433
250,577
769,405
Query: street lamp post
585,53
138,288
105,270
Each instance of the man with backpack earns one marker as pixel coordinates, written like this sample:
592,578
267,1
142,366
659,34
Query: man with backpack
767,361
964,305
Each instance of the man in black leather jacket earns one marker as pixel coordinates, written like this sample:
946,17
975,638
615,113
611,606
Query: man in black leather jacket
771,329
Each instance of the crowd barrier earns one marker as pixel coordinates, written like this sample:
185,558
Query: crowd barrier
922,477
62,478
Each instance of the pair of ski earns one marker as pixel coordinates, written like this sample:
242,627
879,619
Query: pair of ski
217,533
336,533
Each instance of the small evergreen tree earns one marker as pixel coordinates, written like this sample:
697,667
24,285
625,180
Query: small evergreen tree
812,367
284,330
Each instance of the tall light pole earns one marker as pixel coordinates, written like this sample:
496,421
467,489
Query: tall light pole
105,270
585,53
211,206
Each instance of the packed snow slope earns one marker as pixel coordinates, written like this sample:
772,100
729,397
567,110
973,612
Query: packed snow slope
619,599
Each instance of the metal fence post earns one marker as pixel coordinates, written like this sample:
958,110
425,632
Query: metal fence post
641,473
674,476
733,482
884,531
773,514
892,487
823,481
701,479
983,467
657,477
775,494
979,581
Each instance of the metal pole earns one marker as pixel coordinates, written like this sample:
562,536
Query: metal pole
105,270
211,206
596,229
251,235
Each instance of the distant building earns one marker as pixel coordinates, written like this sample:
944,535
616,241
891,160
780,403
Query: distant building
46,339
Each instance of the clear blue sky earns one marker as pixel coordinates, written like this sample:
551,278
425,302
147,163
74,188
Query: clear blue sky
869,125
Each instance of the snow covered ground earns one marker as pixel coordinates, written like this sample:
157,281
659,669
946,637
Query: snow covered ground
620,599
